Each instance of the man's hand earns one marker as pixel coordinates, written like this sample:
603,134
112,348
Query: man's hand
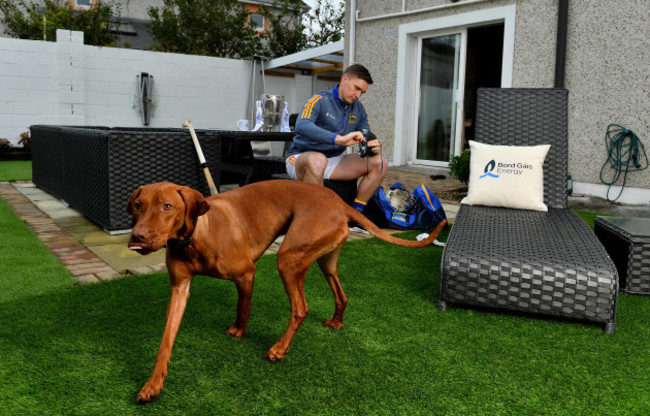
350,139
375,146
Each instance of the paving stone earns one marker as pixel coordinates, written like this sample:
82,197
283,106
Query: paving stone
158,268
73,261
95,264
108,275
87,279
140,270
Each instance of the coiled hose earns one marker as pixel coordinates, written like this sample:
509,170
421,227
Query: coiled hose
625,154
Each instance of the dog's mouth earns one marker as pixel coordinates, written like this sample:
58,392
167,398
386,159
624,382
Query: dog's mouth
140,249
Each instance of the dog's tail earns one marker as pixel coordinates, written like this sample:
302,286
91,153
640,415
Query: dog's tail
369,226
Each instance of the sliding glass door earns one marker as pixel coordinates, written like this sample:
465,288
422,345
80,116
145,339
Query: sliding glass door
441,66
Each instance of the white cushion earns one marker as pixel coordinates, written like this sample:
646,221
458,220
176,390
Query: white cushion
506,176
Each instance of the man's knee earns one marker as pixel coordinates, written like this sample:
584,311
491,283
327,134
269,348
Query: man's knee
316,162
379,165
311,165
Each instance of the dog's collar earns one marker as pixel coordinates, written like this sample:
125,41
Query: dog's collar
179,244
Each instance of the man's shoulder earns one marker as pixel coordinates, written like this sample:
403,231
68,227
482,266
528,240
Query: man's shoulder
319,96
358,106
323,94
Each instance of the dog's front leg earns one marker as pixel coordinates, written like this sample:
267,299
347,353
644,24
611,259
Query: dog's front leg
244,285
175,311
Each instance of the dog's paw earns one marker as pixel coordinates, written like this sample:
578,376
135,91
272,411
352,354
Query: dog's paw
151,389
148,393
275,353
236,332
333,323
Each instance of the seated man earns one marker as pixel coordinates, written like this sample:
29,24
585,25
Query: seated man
331,121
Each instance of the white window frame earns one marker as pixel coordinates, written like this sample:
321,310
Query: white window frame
83,6
258,28
458,94
407,69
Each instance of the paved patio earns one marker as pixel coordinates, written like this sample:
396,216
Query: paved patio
92,255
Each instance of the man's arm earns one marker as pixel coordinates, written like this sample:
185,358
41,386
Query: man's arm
306,124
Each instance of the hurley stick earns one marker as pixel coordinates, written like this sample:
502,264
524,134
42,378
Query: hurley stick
199,152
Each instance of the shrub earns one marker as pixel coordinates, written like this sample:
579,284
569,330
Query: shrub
25,140
5,145
459,166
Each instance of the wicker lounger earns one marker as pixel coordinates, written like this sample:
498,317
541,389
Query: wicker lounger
549,263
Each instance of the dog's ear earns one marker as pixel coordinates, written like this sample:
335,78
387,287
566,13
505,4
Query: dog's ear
134,196
195,206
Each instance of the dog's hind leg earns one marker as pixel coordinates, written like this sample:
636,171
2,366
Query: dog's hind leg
244,284
296,254
328,264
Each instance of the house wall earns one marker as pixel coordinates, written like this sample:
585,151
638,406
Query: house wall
136,9
607,69
67,82
608,78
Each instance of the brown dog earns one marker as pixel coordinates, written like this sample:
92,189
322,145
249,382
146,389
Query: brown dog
222,236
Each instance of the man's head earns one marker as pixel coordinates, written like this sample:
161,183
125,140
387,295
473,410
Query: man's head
354,82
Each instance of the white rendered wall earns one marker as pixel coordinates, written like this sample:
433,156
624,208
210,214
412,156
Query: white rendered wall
67,82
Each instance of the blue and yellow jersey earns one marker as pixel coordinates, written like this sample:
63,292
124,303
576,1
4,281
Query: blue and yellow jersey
324,116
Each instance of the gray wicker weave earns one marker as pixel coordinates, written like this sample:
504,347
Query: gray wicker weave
627,240
95,170
548,263
237,157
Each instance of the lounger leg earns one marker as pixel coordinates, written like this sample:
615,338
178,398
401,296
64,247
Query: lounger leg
442,305
609,328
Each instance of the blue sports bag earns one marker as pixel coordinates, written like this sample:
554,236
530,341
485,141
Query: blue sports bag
418,211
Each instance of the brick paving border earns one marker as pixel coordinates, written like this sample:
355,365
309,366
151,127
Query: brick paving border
82,263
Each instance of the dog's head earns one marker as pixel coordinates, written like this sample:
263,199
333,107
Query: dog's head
162,212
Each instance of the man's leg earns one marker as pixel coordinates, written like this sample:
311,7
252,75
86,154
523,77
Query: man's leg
310,167
372,168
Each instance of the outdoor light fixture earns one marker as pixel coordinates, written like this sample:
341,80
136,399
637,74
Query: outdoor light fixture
144,98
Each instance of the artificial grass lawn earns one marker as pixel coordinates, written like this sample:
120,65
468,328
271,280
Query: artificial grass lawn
26,266
87,350
15,170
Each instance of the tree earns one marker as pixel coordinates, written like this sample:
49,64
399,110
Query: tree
286,33
41,22
207,27
325,23
221,28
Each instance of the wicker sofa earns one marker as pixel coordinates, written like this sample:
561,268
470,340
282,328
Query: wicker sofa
548,263
96,169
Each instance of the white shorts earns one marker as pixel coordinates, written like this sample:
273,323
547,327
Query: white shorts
332,163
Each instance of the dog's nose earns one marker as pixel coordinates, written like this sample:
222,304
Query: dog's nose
138,236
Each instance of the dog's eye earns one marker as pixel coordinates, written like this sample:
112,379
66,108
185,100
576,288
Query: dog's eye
167,206
137,205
